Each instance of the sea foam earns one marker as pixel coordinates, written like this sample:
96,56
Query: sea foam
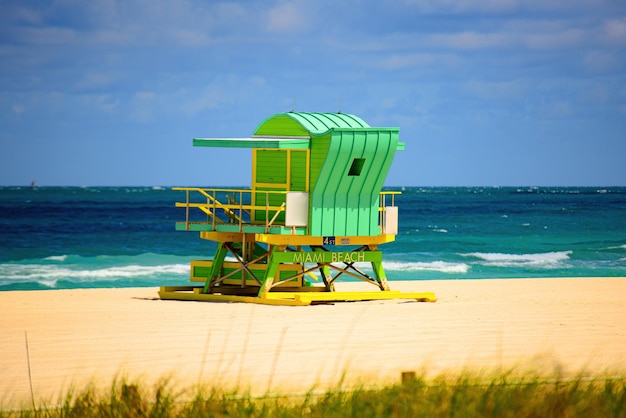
547,260
60,258
440,266
48,275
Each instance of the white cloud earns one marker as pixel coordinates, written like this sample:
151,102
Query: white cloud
568,38
472,40
596,94
558,109
615,31
389,102
97,80
47,35
209,97
496,90
143,106
287,17
25,15
128,23
599,62
504,6
398,61
106,103
509,36
145,95
459,6
191,38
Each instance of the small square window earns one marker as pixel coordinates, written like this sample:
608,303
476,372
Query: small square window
356,167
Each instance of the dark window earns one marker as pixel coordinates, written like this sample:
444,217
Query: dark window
356,167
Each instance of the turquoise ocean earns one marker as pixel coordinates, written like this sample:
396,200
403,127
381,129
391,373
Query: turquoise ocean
102,237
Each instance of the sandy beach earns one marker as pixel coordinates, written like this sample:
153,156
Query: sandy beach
553,326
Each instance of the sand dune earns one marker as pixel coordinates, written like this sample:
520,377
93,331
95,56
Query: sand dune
76,336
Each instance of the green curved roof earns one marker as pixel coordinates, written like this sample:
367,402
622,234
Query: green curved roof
307,123
292,130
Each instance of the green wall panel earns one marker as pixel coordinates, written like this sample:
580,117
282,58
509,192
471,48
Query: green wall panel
348,205
319,150
271,166
298,171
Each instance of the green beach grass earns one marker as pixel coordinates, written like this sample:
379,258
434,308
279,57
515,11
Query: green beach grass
464,395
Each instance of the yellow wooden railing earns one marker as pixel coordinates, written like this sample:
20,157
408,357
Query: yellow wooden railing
239,209
246,206
383,199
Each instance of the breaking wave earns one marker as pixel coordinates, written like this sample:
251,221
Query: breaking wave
62,271
540,260
439,266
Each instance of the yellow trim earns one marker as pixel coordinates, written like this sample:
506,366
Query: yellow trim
287,186
227,206
222,236
308,169
288,177
254,168
256,185
193,293
352,296
213,189
275,239
281,186
290,298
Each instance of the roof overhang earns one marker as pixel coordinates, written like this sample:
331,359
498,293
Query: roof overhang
299,142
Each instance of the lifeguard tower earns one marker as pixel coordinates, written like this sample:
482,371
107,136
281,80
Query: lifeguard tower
315,213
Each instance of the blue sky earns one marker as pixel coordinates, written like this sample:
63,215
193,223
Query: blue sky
485,92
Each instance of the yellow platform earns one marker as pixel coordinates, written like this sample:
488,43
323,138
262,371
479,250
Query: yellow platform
298,298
